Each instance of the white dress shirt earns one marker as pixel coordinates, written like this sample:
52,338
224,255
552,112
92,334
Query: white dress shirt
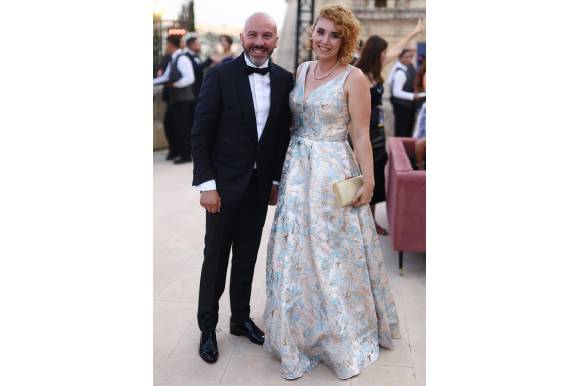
396,65
185,67
260,86
397,80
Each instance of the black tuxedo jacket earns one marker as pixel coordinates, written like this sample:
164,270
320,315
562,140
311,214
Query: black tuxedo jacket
224,137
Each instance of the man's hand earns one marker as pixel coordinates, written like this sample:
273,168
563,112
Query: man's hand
211,201
273,195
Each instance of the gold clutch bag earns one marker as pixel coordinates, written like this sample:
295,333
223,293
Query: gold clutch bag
345,190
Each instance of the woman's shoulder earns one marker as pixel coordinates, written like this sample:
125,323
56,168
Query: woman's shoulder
357,78
355,72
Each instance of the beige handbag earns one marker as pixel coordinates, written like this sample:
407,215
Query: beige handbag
345,190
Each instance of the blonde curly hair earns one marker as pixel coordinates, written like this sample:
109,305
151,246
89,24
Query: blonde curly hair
348,28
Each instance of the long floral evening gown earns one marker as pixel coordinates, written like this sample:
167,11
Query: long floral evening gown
328,296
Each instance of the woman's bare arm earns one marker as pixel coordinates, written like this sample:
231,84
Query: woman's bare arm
394,51
359,108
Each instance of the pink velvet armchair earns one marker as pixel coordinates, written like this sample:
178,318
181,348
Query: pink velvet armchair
405,194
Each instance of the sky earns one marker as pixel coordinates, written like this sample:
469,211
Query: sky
226,12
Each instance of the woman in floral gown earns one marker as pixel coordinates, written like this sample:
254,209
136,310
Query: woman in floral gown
328,295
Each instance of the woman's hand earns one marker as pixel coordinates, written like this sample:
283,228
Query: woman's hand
394,51
420,27
363,196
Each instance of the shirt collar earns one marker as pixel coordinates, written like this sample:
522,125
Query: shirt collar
394,69
401,65
177,52
249,63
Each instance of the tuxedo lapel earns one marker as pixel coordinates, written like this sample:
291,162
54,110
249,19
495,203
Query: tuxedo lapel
246,100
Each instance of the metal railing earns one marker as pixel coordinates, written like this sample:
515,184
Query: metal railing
304,19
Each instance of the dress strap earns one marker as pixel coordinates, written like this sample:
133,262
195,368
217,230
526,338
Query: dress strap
304,69
345,74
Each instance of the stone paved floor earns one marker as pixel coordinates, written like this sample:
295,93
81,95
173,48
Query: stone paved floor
178,244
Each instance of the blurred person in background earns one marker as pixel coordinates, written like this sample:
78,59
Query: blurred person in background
421,129
411,48
420,88
373,58
178,78
226,42
163,65
192,47
225,56
356,55
419,83
421,154
192,51
403,96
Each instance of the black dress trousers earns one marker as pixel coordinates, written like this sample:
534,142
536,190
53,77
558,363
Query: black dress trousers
404,118
238,227
181,123
169,132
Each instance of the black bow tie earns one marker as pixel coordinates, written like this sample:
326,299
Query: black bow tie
262,71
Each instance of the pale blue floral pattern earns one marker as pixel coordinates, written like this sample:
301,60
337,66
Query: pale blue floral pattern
328,295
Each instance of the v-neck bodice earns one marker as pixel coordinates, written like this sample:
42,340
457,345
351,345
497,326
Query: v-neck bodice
323,115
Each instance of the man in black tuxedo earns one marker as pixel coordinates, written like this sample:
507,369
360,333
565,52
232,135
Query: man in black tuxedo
239,142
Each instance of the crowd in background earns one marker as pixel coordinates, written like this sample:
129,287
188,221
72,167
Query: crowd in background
181,74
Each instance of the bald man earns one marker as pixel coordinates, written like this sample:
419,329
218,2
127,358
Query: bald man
239,140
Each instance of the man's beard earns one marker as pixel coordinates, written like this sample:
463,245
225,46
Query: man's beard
257,61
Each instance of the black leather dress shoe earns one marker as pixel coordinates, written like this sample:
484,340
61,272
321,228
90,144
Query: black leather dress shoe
248,329
171,157
182,160
208,349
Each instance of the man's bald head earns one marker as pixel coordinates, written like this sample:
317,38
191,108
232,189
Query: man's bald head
261,18
259,38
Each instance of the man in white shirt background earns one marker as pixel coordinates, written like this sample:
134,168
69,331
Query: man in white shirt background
163,65
178,78
403,96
